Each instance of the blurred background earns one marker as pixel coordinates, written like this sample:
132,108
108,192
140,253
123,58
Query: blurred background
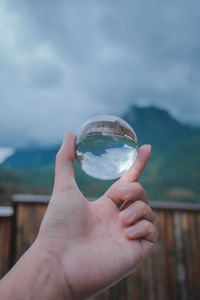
63,62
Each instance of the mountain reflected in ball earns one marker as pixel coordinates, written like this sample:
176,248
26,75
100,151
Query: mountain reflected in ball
105,147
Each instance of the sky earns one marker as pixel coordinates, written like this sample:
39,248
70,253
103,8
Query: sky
63,62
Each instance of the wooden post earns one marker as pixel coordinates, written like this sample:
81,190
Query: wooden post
29,211
6,213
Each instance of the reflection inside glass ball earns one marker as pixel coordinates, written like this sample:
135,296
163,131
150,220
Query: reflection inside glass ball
105,147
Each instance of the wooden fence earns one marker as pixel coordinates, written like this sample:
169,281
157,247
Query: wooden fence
6,214
171,271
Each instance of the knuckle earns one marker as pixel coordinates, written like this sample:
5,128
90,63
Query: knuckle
140,191
141,205
146,211
137,186
148,226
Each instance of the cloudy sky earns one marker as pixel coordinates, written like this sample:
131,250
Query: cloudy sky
62,62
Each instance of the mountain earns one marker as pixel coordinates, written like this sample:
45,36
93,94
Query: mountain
157,127
31,158
173,169
13,181
171,174
185,156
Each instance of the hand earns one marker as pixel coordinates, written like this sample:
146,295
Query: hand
95,243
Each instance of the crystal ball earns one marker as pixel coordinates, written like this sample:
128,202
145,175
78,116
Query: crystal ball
105,147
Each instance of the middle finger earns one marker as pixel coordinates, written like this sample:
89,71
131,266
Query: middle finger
135,212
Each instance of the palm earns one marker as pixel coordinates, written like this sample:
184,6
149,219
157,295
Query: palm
98,242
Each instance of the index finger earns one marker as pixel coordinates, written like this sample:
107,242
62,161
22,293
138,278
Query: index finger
136,170
130,176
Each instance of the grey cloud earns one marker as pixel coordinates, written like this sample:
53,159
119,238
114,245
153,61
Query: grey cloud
63,62
45,75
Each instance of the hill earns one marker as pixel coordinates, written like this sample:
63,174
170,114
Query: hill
157,127
12,182
175,154
31,158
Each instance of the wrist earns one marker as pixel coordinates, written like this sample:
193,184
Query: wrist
64,268
53,273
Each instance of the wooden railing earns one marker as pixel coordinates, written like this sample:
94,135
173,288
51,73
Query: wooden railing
171,271
6,214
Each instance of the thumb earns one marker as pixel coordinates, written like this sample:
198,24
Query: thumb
64,168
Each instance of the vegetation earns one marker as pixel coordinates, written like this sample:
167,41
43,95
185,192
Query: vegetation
171,174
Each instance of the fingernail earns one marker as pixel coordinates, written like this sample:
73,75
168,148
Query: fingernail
146,147
126,190
127,213
66,135
65,138
131,229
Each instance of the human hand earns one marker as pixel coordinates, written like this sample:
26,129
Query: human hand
95,244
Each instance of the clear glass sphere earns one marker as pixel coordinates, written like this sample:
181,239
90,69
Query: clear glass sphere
105,147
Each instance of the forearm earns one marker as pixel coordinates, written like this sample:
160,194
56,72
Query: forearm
37,275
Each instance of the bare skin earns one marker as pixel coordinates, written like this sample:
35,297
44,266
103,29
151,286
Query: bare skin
83,248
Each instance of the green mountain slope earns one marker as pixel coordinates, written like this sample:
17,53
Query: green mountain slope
175,175
156,127
181,165
173,171
12,182
31,158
